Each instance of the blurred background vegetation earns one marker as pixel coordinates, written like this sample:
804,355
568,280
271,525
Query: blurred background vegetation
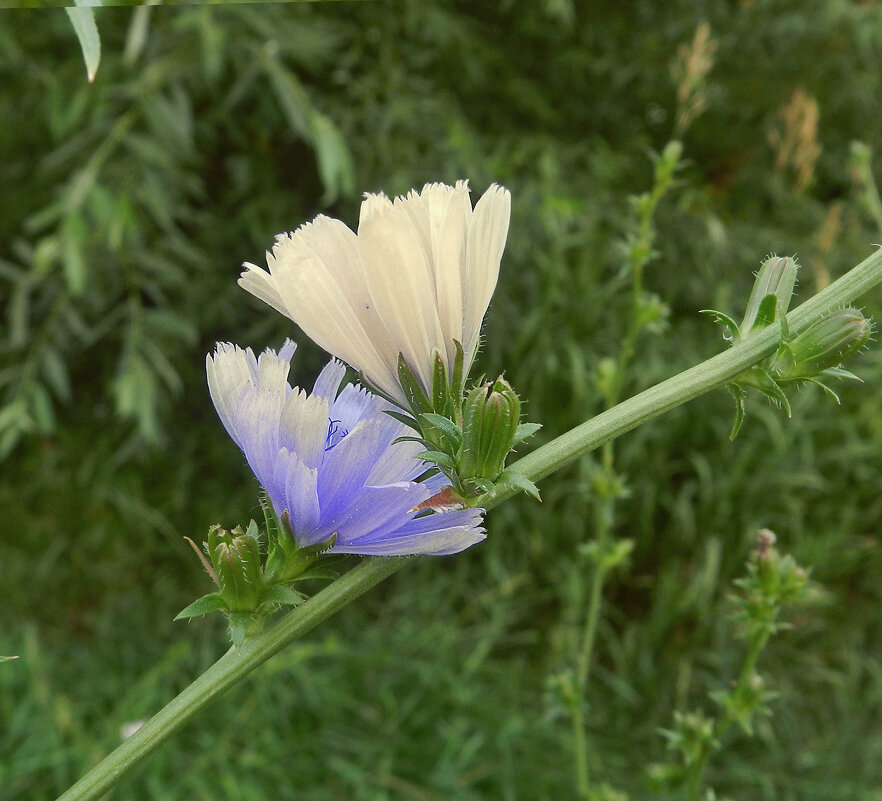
127,208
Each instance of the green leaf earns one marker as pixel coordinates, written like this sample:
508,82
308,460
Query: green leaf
213,602
447,427
407,419
239,623
766,311
839,372
82,17
524,432
740,395
731,332
762,380
409,439
520,481
443,459
282,595
458,379
826,389
414,393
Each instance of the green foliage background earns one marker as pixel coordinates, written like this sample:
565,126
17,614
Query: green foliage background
126,211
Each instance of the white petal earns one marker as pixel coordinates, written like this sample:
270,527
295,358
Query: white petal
448,212
402,288
230,375
320,279
486,241
261,284
303,427
371,206
328,382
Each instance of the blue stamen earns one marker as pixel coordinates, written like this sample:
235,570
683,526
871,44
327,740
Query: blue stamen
336,432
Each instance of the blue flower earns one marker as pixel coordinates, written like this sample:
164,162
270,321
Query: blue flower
328,458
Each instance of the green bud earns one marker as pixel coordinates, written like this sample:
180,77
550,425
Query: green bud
777,277
826,344
767,563
235,556
491,415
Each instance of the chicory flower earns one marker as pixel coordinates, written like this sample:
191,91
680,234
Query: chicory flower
414,281
329,461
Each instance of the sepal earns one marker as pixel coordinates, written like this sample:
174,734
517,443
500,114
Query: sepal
250,588
776,277
809,357
521,482
213,602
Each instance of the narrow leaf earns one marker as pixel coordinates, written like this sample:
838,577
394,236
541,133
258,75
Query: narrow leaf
765,313
826,389
282,595
447,427
524,432
401,417
520,481
443,459
203,606
739,394
731,333
83,21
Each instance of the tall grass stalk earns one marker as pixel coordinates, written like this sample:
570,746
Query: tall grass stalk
639,248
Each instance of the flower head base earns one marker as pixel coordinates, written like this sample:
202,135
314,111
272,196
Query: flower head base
329,462
810,357
414,282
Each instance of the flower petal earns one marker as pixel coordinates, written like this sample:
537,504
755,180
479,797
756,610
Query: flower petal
317,274
402,288
486,241
230,376
328,382
346,466
445,221
433,535
303,427
300,495
377,509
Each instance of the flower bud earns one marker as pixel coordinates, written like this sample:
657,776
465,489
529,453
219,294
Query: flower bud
235,557
491,415
776,276
826,344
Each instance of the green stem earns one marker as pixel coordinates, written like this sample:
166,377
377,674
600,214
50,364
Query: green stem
686,386
583,670
224,673
234,665
696,774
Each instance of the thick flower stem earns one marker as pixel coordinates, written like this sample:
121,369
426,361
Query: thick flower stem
710,374
234,665
223,674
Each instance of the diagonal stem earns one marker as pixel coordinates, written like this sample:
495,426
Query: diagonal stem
624,417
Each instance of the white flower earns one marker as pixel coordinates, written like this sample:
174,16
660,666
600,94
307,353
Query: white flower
416,278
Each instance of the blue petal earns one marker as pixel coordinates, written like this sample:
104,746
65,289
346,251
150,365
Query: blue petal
354,404
258,420
300,495
437,535
376,509
328,381
398,462
347,465
303,426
